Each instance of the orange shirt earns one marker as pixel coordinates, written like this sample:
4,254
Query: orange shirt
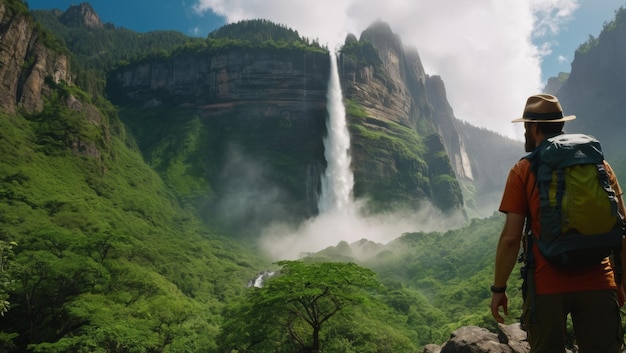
520,196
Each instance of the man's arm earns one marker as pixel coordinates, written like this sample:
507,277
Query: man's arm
506,258
620,203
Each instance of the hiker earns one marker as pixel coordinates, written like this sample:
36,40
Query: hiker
554,287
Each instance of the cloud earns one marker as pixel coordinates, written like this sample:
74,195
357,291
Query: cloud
484,50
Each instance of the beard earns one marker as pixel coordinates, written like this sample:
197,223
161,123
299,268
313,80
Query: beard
529,143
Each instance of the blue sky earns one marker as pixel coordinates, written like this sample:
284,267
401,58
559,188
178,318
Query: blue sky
502,50
144,15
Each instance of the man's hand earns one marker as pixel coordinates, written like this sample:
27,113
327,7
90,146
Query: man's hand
500,300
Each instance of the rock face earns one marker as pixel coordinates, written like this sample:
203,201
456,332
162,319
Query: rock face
594,89
388,82
30,71
82,15
214,81
262,106
26,63
472,339
396,91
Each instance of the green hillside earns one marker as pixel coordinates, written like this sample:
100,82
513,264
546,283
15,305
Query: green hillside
105,255
108,258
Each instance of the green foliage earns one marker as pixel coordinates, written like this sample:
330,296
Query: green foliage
618,21
259,31
6,281
94,51
310,307
453,270
107,257
363,53
15,7
400,151
354,109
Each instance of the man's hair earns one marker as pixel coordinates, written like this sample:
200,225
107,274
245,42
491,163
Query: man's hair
550,128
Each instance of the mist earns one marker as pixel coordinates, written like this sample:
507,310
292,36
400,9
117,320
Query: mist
341,219
282,241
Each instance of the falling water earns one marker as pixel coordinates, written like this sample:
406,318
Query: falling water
338,180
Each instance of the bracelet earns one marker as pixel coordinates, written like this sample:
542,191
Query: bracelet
495,289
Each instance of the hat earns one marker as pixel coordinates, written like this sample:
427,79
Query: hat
543,108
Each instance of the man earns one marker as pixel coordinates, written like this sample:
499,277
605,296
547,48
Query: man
590,294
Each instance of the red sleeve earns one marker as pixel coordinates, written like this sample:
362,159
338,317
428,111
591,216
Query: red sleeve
514,198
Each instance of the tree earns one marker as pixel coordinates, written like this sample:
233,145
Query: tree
291,310
6,282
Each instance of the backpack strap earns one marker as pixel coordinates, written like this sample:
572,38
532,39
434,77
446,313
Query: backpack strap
606,185
616,258
528,270
527,257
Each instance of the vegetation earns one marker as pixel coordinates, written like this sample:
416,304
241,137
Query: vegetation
403,152
261,31
6,282
95,51
107,243
305,308
106,257
592,42
363,53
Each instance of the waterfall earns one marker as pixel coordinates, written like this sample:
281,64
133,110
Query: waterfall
338,179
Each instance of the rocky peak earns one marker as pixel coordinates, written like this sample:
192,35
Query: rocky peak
554,84
26,63
82,15
390,47
382,37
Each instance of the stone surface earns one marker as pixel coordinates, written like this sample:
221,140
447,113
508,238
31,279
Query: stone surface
26,63
472,339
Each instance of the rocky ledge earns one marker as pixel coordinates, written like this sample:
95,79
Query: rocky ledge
473,339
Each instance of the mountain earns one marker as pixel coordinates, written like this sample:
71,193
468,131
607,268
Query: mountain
82,15
593,91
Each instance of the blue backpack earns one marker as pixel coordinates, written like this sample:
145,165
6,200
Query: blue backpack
578,209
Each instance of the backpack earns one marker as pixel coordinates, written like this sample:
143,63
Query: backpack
578,209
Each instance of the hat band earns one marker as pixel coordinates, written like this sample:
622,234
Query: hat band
543,116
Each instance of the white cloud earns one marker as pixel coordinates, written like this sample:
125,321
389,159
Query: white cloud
484,50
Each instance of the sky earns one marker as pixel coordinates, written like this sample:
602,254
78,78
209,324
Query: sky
490,54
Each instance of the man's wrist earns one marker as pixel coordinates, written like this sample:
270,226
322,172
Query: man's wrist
495,289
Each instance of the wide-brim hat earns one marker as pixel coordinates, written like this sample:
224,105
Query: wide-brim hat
543,108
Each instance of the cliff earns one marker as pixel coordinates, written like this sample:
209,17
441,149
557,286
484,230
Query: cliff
26,61
269,104
259,115
394,138
455,164
594,89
